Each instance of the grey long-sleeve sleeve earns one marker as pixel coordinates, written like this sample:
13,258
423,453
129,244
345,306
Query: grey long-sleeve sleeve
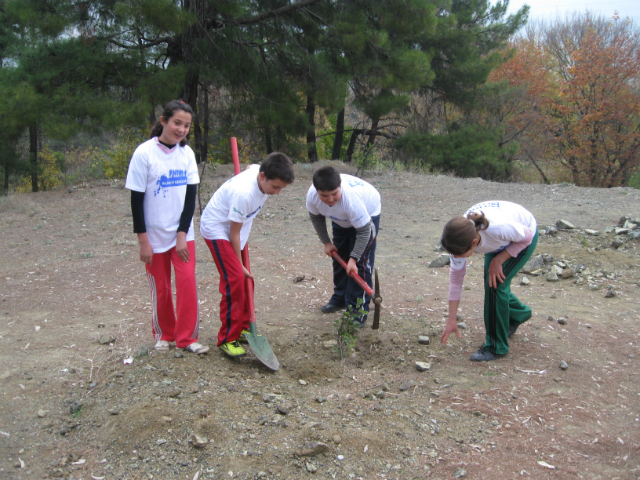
362,238
320,225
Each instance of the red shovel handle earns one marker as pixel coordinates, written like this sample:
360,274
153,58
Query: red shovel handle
245,250
354,275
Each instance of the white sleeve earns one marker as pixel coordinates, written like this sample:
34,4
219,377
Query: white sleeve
311,206
192,169
457,263
239,208
137,173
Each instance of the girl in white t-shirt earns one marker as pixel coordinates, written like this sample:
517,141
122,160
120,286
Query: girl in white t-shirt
163,179
507,234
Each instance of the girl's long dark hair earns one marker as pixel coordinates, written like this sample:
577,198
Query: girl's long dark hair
168,112
459,232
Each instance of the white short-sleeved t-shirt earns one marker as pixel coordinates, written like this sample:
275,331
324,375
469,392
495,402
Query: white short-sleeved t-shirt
358,203
163,175
507,222
238,200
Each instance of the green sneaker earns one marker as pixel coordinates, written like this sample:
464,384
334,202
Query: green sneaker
243,336
233,349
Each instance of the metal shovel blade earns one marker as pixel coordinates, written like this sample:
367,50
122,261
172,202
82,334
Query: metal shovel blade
261,348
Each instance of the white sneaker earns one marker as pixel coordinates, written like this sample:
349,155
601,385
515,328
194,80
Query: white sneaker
162,345
196,348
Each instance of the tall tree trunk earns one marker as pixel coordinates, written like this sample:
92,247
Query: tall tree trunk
352,145
267,140
152,114
204,142
33,156
373,132
190,89
311,130
280,146
185,56
339,137
204,145
197,130
6,178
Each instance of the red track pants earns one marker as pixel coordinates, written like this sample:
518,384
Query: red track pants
234,306
184,329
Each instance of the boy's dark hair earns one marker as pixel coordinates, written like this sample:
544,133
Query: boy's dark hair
459,232
326,179
278,165
168,112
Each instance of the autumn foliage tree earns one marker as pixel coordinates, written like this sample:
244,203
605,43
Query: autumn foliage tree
579,116
595,119
520,108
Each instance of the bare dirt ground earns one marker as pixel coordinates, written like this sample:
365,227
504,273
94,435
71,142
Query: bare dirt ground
70,408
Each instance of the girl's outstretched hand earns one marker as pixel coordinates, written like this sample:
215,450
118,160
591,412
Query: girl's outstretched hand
450,327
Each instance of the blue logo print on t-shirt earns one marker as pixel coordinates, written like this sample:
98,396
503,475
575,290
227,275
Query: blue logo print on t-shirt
176,178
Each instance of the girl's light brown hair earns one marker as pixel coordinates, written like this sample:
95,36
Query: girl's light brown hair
459,232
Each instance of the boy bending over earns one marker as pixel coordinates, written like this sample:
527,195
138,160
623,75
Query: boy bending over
353,206
225,225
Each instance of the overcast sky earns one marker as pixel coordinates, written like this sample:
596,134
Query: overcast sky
551,9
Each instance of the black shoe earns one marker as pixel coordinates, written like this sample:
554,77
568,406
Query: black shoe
332,308
484,355
513,327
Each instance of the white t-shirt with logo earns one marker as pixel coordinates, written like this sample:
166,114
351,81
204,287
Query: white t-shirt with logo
238,200
163,175
358,202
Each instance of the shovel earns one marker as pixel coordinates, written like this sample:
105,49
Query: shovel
258,343
377,299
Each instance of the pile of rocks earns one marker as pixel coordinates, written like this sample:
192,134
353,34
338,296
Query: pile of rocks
553,270
626,229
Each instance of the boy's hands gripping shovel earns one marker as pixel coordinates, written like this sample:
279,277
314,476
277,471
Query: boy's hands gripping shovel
258,343
377,299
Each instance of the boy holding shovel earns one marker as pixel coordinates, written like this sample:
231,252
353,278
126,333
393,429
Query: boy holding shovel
353,206
225,225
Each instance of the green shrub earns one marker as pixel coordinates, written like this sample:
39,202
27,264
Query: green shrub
49,172
346,329
119,155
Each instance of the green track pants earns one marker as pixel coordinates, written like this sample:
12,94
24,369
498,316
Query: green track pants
501,307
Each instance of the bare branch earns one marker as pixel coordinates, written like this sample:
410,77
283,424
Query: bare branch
275,13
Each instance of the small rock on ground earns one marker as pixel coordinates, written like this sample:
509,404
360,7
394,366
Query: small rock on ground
440,261
423,366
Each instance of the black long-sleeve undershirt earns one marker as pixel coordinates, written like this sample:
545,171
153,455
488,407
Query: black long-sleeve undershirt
189,208
137,210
